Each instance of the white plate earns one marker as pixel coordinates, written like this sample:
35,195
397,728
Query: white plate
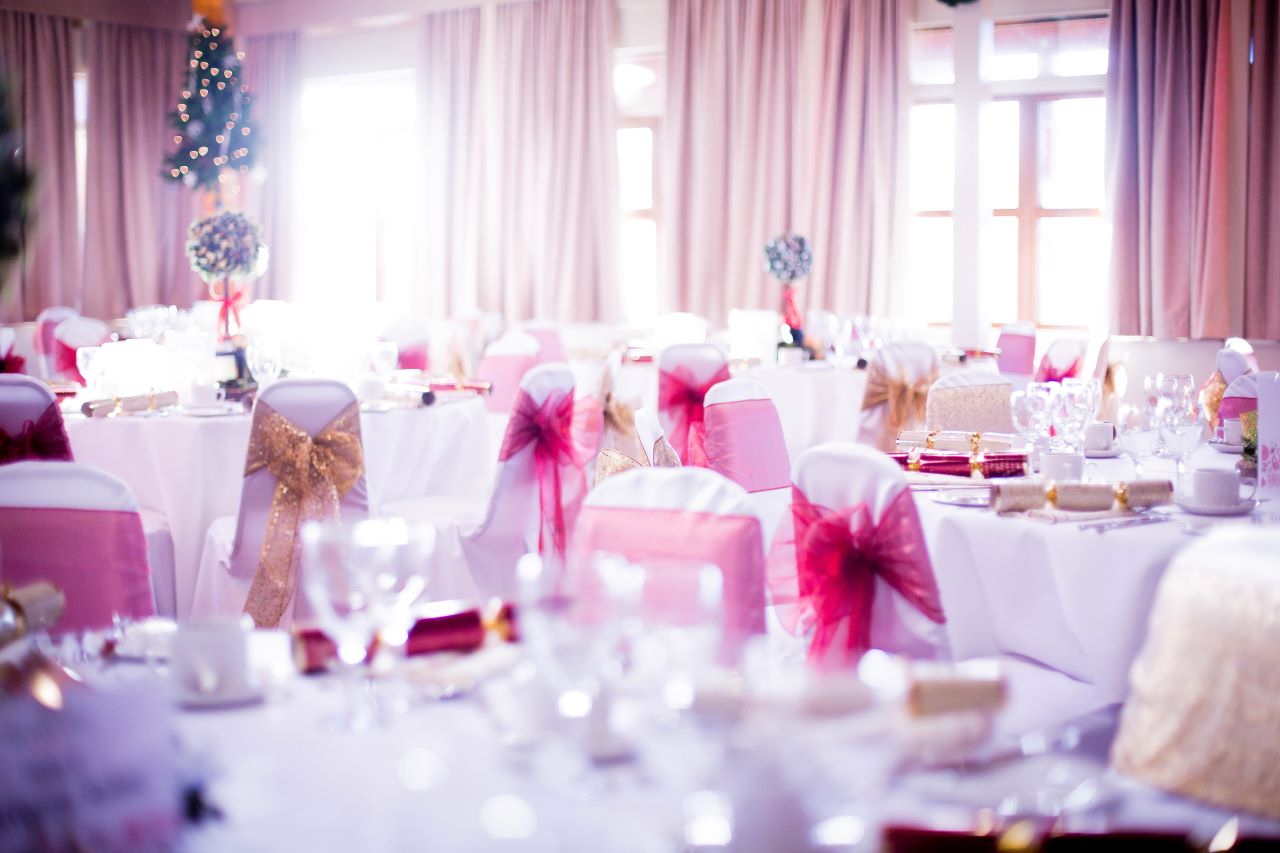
221,699
218,411
1050,783
1242,508
1223,447
1111,453
964,497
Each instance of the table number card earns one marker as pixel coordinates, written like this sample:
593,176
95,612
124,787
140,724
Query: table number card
97,774
1269,435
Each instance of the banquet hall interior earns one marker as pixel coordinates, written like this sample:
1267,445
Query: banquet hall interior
640,425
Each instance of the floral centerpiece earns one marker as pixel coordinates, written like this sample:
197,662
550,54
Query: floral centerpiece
226,249
788,259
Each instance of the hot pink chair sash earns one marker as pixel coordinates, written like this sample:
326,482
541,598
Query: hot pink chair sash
11,362
44,335
838,556
503,373
98,558
43,438
64,361
680,398
1234,407
732,542
1048,372
1017,354
413,357
744,442
549,429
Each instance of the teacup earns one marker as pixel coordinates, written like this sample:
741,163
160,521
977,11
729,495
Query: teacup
1230,431
371,388
211,658
1218,487
205,395
1062,467
1099,436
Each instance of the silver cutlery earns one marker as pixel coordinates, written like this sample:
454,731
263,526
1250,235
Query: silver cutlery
1121,524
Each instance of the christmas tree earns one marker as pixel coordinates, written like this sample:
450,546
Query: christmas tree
211,123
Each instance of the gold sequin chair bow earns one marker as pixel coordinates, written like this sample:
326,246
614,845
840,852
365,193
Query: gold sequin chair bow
898,382
304,462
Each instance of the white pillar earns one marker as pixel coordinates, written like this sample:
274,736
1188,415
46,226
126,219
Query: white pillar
972,32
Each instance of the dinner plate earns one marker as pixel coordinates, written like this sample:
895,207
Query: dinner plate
1243,508
1110,453
964,497
1048,784
1223,447
220,410
221,698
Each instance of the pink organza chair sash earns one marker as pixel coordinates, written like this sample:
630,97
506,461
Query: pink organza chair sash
43,438
744,442
549,429
838,556
674,536
503,373
98,558
680,398
1017,354
64,361
1234,407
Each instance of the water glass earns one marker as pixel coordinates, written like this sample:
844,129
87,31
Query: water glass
1139,434
265,359
1181,430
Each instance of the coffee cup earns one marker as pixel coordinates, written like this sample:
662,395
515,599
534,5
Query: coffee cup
371,388
1218,488
205,395
1099,436
1062,467
210,658
1230,431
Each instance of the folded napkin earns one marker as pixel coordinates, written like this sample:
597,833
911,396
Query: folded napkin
137,403
958,440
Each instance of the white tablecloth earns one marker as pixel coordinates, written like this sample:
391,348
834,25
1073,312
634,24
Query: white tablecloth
1074,600
189,468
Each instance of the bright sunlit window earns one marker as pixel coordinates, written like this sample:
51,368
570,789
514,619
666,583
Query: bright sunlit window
358,226
1045,246
636,86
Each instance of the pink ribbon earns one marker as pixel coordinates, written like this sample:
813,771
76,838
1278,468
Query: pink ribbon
12,363
64,361
548,428
43,438
1048,372
1234,407
839,555
680,397
413,357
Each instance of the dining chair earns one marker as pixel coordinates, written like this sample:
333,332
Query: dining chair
1017,345
898,381
69,336
1064,359
686,373
550,343
745,444
970,401
46,322
78,528
684,518
31,424
305,462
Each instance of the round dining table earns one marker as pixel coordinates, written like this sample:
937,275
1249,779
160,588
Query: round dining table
188,468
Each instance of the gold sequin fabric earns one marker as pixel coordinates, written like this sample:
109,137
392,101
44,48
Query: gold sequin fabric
981,408
664,455
312,475
1203,715
904,402
1211,397
611,462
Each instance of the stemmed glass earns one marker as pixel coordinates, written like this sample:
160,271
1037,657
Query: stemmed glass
396,555
265,359
85,359
1030,413
1139,434
384,357
1072,408
1181,429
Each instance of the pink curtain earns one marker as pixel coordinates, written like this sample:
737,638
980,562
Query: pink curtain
134,233
36,53
273,76
782,115
1262,249
528,119
1168,118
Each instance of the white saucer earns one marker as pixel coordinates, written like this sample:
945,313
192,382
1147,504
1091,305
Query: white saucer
1110,453
215,411
1223,447
220,699
964,497
1243,508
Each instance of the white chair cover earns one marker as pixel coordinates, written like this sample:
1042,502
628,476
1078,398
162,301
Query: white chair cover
550,343
1064,358
1232,364
22,399
745,444
911,362
46,322
972,401
649,432
233,544
69,336
694,365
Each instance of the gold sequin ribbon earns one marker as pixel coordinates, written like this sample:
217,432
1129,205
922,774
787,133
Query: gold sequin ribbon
312,476
905,401
1211,397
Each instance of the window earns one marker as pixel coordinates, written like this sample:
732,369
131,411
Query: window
1045,244
637,92
357,228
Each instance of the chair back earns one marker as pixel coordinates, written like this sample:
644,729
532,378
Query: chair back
68,337
31,425
898,381
1245,349
1064,359
1232,364
681,516
312,406
1017,345
653,441
504,365
46,321
686,373
745,444
972,401
1241,396
851,487
550,344
79,529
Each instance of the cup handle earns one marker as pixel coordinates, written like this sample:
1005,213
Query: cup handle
1254,481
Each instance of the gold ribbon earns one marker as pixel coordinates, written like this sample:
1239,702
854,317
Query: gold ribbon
312,476
1211,397
905,401
618,416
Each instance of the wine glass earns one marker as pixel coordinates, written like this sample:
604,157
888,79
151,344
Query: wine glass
1181,430
85,358
1139,434
1071,410
1030,413
265,360
384,358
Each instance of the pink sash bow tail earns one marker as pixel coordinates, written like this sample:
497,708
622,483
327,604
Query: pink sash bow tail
43,438
831,582
681,398
549,429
